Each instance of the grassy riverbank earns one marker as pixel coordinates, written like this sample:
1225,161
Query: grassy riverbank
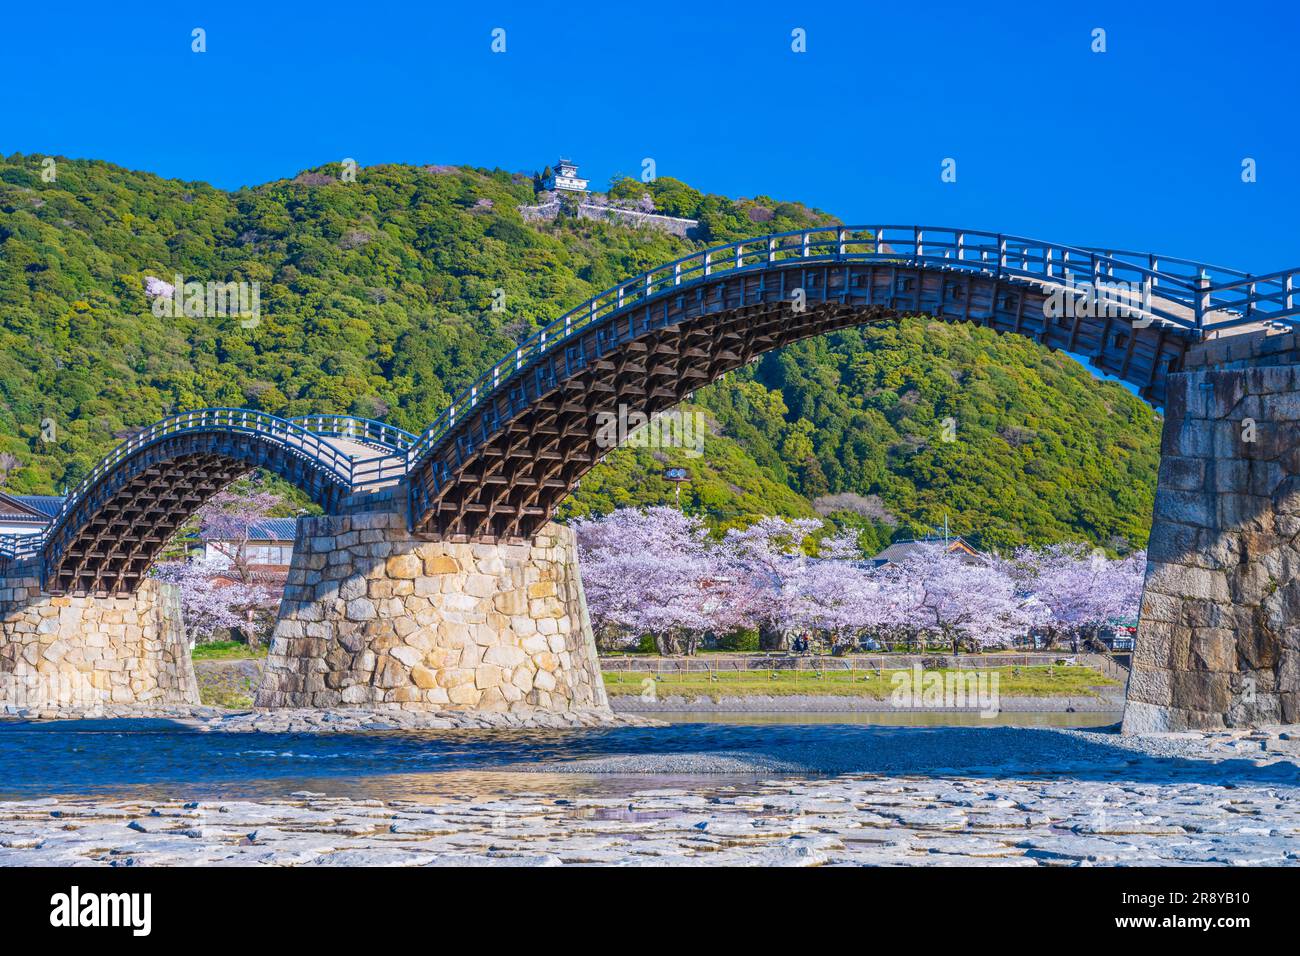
1038,681
227,651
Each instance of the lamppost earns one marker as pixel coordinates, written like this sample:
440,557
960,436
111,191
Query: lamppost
677,476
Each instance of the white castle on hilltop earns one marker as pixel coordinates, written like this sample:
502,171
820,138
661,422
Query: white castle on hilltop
565,178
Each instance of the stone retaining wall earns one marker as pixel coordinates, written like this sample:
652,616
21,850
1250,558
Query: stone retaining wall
85,654
1269,347
686,228
1219,638
375,617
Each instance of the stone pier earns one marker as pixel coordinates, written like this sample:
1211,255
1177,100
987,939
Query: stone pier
375,617
1219,637
91,654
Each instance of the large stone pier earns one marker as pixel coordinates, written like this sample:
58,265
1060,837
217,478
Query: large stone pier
1219,638
378,618
87,654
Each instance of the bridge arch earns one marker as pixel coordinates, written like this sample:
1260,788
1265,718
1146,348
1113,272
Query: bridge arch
115,523
500,460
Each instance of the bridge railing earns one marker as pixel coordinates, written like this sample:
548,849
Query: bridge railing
379,470
16,547
231,420
1180,292
1267,298
364,431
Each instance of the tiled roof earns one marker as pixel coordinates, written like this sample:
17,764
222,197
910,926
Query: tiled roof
274,529
47,505
902,550
35,510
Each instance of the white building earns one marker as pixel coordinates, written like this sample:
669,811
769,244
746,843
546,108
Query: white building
270,545
565,179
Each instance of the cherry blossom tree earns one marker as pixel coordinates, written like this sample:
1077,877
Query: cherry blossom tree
767,567
966,602
156,288
841,547
1079,588
8,462
227,521
651,571
657,571
227,594
847,601
210,601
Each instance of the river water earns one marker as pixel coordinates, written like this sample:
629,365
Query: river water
160,759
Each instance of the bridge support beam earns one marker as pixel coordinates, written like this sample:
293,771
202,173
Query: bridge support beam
374,617
1218,642
91,655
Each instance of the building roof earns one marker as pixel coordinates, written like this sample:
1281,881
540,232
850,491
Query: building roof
902,550
47,505
33,509
274,529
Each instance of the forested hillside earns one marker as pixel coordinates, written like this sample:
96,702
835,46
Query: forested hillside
376,300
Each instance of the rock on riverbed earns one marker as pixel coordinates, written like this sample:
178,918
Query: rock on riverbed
848,820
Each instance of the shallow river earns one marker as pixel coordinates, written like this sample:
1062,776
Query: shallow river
158,759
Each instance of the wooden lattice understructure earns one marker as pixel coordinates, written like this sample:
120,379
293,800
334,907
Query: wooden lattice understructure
501,472
107,542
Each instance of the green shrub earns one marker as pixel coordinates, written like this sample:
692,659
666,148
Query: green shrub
744,639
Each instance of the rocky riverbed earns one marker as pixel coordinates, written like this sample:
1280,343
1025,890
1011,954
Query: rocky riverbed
783,796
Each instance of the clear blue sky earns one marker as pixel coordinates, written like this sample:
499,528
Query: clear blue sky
1138,147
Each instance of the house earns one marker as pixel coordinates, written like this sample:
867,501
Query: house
270,545
902,550
27,514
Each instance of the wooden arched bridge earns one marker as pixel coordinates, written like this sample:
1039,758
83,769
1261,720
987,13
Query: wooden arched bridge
434,580
512,446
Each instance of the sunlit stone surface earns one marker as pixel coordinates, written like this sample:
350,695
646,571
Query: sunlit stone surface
91,654
374,617
1219,638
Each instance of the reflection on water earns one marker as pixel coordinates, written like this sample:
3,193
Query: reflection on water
898,718
452,786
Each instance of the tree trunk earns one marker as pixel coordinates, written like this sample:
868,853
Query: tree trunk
250,630
772,638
